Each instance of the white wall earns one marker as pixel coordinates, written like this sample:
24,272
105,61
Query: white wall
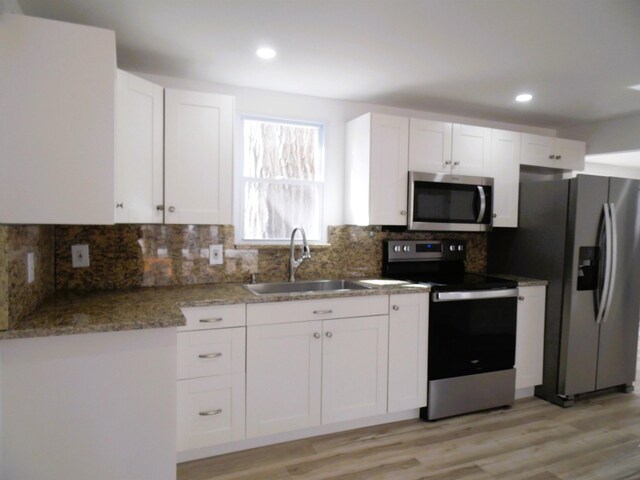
606,170
10,6
615,135
332,113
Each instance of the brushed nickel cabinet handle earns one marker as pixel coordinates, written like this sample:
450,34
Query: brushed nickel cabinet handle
456,163
210,355
160,208
322,312
210,320
558,157
448,162
172,209
521,299
210,412
329,334
551,157
316,335
120,205
396,307
403,212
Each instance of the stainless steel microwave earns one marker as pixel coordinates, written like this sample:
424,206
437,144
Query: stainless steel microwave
440,202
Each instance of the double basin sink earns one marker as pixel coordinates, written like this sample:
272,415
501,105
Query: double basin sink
283,288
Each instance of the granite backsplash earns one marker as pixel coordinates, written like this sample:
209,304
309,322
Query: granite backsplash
155,255
123,256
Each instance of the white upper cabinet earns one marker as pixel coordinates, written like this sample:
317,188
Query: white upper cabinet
57,140
549,152
139,150
452,149
471,150
429,146
504,167
198,157
377,161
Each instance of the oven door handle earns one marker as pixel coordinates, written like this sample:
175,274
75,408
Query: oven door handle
474,295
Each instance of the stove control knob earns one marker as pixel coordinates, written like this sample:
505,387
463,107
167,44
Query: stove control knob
406,248
396,248
452,248
460,248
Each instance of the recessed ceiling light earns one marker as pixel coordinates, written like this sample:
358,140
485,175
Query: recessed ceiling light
524,97
635,87
266,53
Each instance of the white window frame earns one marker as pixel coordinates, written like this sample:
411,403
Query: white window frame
240,180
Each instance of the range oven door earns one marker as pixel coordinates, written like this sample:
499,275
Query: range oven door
449,202
472,332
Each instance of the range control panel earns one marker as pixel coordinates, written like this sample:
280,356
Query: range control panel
421,250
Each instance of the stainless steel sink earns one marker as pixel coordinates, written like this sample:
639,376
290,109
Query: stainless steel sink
283,288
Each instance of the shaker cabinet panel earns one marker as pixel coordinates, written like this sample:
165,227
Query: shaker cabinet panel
139,150
530,336
408,344
429,146
504,167
470,150
57,141
550,152
198,157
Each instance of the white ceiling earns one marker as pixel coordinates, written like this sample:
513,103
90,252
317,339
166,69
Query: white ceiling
467,57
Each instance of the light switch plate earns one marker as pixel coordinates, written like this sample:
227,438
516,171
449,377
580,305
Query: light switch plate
216,255
80,256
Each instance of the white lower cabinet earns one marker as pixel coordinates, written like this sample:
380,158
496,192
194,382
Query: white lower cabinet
284,369
530,336
408,343
354,368
211,378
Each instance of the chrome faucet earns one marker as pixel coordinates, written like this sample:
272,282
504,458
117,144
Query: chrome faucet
306,253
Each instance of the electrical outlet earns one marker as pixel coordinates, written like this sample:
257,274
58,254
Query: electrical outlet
31,267
216,255
80,256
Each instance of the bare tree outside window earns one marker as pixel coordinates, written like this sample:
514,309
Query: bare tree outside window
282,179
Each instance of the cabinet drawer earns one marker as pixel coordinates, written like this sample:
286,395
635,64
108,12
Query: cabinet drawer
210,411
215,316
305,310
211,352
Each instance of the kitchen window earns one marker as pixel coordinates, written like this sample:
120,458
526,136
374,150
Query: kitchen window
282,179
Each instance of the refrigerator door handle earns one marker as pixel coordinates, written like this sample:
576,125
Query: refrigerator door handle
607,268
614,261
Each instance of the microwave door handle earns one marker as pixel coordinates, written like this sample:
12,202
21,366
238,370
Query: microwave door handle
483,204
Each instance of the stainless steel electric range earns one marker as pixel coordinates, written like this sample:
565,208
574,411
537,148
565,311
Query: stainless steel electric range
472,327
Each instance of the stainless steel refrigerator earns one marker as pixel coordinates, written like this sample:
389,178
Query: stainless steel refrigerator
583,236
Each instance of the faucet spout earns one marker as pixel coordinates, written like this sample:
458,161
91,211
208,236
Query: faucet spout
305,253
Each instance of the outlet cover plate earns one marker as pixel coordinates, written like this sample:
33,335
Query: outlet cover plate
80,256
216,255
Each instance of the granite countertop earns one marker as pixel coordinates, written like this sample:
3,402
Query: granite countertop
75,312
522,281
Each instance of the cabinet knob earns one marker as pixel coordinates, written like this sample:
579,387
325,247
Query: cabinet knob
551,157
329,334
403,212
160,208
456,163
521,298
172,209
396,307
495,215
120,205
316,335
448,162
558,157
210,412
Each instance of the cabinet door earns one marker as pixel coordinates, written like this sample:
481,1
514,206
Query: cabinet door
57,134
139,150
408,327
354,368
429,146
198,160
389,170
210,411
569,154
537,150
283,377
471,147
504,167
530,336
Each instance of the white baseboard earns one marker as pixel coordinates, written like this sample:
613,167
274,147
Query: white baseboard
195,454
524,392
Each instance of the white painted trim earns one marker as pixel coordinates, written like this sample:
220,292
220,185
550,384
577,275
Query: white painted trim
524,392
189,455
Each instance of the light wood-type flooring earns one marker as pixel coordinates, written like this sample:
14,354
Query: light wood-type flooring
597,438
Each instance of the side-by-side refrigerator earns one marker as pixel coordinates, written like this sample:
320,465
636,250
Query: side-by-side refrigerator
583,236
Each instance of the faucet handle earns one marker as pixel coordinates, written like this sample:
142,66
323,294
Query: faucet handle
306,252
